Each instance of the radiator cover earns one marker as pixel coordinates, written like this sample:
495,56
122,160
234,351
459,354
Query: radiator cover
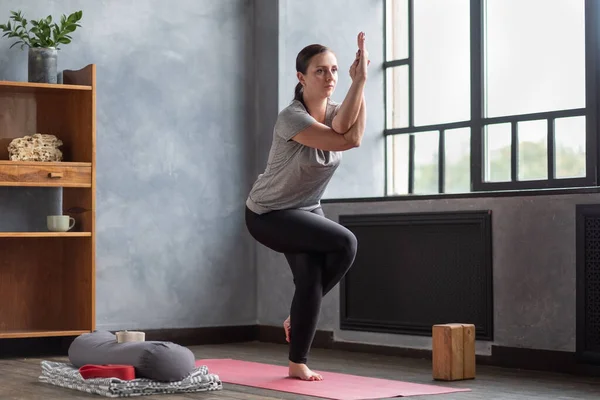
588,283
419,269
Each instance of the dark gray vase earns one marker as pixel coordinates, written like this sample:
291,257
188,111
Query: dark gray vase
42,65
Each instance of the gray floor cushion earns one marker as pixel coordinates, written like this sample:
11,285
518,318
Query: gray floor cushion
158,360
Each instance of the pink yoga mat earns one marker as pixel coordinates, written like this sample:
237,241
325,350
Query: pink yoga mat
333,386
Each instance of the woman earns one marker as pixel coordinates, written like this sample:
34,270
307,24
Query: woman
283,210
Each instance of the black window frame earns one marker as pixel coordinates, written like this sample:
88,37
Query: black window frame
478,121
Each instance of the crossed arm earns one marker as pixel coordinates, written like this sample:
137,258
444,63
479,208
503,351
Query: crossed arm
322,137
348,126
354,100
350,108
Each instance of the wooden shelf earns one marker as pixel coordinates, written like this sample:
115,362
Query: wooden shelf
45,164
43,234
30,87
28,333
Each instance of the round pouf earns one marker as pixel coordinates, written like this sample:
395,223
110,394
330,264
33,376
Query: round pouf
157,360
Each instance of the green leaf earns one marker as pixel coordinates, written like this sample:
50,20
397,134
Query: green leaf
44,32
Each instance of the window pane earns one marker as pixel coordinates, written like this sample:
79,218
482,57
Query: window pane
534,56
497,142
397,97
441,61
426,162
533,150
569,147
457,154
397,29
397,160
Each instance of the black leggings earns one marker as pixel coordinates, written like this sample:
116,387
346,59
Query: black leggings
319,252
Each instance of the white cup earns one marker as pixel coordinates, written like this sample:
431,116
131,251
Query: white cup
60,223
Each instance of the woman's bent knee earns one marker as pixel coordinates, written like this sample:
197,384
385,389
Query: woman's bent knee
349,243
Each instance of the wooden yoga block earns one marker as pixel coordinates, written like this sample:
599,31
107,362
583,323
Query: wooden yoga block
453,351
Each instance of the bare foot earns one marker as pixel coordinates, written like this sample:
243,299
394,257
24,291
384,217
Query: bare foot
286,327
301,371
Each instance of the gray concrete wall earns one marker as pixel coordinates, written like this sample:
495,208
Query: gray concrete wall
265,105
266,108
173,159
533,240
191,130
361,173
533,237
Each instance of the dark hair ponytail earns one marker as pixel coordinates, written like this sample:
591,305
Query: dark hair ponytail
298,91
302,62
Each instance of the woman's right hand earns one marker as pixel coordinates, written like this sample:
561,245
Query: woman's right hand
358,69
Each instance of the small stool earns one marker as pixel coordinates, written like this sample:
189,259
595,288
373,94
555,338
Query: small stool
453,351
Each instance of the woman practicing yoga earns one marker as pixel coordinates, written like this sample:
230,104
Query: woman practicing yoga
283,209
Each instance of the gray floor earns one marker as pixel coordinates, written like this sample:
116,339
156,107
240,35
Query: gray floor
18,377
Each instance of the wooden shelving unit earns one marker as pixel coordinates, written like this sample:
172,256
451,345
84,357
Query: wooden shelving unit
47,279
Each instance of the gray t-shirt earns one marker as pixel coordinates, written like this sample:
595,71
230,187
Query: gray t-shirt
296,175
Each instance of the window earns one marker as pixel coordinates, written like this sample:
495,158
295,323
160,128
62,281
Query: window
490,95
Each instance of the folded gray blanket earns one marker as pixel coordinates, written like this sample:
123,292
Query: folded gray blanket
68,376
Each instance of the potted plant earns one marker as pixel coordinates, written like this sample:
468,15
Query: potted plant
43,40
